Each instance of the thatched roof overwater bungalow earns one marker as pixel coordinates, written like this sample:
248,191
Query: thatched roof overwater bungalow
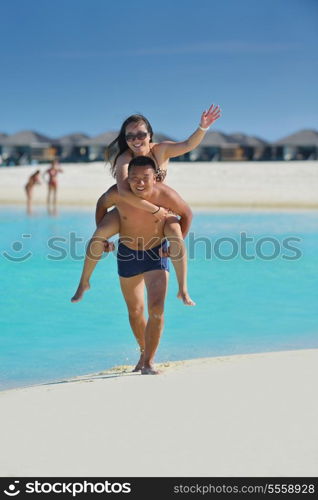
237,146
248,140
105,138
217,138
71,139
73,147
252,147
161,138
27,146
28,138
214,146
302,145
97,145
306,137
3,136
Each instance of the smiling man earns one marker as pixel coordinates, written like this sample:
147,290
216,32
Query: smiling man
140,264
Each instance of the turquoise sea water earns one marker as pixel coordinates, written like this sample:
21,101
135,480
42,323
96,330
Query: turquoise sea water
262,300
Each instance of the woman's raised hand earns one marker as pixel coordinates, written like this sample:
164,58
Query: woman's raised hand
210,116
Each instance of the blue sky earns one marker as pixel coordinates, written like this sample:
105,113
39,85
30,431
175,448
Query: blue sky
85,65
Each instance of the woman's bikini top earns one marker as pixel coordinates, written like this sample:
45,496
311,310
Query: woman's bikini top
53,172
160,173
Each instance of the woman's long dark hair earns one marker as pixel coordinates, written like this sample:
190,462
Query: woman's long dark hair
119,145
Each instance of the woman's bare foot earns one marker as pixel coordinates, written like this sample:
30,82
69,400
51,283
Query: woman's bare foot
80,292
140,364
186,299
149,370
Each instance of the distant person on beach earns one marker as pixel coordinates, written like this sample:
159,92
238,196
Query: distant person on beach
33,180
135,139
139,260
52,174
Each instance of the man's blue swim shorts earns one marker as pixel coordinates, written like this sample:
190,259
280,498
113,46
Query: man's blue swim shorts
133,262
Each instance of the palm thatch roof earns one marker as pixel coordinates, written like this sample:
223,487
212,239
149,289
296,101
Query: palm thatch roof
103,139
161,138
75,139
248,140
3,137
28,138
217,139
306,137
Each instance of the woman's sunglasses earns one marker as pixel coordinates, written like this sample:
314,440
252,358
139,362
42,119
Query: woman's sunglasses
140,136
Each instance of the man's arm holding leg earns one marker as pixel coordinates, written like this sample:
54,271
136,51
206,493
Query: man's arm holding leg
105,217
104,202
170,199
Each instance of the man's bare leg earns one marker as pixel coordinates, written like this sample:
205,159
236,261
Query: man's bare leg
157,285
133,292
178,255
94,252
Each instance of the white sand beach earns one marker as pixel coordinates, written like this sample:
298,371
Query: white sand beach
245,415
215,185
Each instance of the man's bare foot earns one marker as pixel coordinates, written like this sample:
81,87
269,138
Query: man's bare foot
149,370
140,364
80,292
186,299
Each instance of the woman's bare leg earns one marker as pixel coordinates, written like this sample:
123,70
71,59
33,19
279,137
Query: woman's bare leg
54,199
29,200
48,200
95,249
178,256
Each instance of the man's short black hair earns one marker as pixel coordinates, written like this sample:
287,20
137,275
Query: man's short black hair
142,161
